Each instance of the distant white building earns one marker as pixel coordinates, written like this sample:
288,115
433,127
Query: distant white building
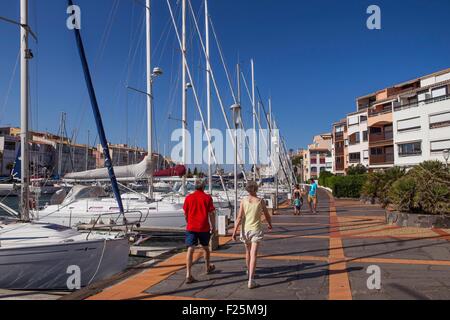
9,146
318,157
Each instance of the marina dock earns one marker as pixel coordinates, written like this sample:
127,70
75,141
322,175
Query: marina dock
313,256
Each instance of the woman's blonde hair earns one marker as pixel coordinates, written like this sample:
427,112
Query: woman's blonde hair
251,187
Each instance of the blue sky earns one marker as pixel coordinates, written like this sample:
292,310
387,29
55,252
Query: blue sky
312,57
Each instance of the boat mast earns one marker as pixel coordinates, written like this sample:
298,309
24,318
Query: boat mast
149,99
184,92
25,55
208,93
255,148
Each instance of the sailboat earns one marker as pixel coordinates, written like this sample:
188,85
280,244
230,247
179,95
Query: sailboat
49,256
151,210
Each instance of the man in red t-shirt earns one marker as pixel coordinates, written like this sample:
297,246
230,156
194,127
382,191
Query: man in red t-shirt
200,217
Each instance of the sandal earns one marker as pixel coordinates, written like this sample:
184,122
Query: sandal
190,280
210,269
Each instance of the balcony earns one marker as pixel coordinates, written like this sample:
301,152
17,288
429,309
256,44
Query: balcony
379,112
338,136
339,150
418,103
381,159
378,137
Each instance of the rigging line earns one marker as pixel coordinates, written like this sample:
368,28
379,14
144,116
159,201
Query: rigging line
219,97
8,91
219,47
188,70
100,53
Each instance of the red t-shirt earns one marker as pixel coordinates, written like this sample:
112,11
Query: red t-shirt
196,208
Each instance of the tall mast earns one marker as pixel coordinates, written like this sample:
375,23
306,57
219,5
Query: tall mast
269,125
149,98
25,55
208,93
184,92
255,148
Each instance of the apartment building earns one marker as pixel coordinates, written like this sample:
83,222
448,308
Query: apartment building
408,123
317,158
358,138
340,147
121,155
422,120
8,150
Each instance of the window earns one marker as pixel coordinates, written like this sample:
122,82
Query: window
322,169
408,124
354,138
355,157
362,118
353,120
410,149
375,130
422,95
313,160
439,92
322,160
440,120
376,151
439,146
366,154
365,136
314,169
10,145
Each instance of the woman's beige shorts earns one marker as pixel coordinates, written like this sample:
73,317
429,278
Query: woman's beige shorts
252,236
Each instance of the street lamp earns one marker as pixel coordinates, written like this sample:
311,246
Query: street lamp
446,154
236,110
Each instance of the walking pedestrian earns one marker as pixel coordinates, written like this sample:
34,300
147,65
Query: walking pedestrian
200,217
312,196
250,215
298,199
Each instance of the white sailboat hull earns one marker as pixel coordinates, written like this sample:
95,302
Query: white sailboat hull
46,267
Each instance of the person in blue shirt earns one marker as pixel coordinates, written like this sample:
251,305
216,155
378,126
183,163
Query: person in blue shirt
312,196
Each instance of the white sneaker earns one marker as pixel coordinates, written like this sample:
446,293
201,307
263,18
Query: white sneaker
252,284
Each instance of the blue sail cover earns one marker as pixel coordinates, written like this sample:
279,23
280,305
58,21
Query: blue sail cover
16,172
97,116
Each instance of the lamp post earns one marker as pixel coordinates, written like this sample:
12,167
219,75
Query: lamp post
446,154
236,110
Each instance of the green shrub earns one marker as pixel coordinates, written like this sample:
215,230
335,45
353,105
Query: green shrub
356,170
378,184
403,194
433,187
424,189
323,177
348,186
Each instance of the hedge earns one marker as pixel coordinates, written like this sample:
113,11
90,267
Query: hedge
345,186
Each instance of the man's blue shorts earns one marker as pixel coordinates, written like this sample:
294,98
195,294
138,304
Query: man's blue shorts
193,238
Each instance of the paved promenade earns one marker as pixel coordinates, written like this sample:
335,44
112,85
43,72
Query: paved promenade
322,256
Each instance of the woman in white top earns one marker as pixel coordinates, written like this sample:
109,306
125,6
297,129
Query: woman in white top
250,213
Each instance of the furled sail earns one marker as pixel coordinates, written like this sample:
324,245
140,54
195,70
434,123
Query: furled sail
138,171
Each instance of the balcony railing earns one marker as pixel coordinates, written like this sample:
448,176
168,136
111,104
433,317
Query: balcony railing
374,113
417,103
377,137
382,159
410,154
339,136
339,150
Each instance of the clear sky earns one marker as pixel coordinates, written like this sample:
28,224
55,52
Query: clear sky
313,57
